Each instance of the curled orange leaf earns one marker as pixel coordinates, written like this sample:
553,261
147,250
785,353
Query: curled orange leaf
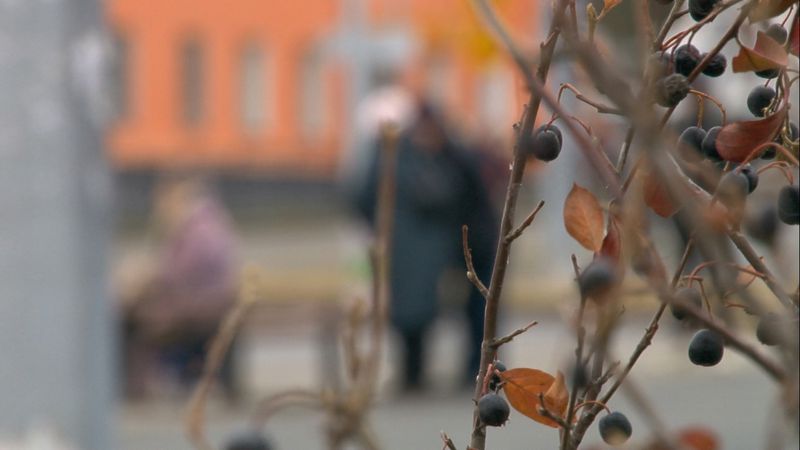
765,54
657,197
583,218
522,387
698,438
737,140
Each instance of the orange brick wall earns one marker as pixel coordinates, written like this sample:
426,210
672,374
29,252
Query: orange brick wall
152,134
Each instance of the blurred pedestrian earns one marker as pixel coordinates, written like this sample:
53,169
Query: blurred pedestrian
172,318
438,189
388,101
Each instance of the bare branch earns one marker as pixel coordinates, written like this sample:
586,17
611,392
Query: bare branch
478,437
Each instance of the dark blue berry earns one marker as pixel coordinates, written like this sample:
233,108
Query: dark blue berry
545,143
789,204
690,143
493,409
615,428
709,145
597,279
686,59
706,348
732,189
716,66
760,98
768,73
495,380
700,9
752,177
778,33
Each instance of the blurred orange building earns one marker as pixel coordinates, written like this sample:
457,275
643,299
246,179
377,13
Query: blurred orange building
268,86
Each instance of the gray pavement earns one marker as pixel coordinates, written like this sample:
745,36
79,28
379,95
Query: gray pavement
733,398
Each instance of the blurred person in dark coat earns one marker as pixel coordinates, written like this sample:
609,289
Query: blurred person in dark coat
438,189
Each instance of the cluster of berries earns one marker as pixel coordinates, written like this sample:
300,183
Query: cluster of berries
492,407
695,144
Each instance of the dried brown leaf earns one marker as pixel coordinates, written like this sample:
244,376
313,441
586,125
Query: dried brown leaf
612,243
765,54
657,197
738,139
608,5
583,218
698,438
556,397
522,388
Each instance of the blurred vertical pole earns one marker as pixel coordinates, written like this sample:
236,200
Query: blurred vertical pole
56,337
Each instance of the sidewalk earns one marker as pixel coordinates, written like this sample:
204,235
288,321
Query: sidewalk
732,398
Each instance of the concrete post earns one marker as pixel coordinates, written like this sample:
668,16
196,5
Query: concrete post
55,316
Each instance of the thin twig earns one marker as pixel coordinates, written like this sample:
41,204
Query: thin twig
703,95
551,415
472,276
610,372
525,224
601,108
731,340
194,422
448,443
496,343
581,335
752,257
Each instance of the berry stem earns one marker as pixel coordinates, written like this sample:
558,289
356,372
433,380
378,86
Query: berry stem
703,95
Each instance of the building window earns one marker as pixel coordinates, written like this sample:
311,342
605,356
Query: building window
312,96
193,102
118,76
252,89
